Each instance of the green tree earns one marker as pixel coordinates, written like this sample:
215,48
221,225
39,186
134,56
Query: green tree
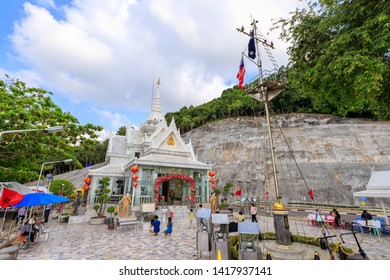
338,56
91,151
62,185
23,107
102,196
121,131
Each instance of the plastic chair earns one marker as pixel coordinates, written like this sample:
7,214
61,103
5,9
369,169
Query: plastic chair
375,226
383,225
359,224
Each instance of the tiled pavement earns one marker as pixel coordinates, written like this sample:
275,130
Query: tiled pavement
96,242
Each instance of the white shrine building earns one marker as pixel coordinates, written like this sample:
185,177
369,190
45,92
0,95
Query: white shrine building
167,167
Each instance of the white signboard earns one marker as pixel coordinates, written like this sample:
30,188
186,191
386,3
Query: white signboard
148,207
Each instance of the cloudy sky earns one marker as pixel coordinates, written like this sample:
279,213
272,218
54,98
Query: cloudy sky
101,58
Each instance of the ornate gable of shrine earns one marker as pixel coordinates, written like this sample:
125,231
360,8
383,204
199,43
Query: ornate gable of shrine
168,138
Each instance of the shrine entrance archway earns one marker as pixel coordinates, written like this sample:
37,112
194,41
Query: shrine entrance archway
160,180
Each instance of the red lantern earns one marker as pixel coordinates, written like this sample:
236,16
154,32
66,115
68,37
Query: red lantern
87,181
213,187
86,188
135,184
211,173
134,177
213,180
134,169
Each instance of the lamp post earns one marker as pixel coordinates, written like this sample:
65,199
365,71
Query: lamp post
48,129
50,162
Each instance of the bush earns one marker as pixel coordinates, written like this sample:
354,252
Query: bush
102,196
62,185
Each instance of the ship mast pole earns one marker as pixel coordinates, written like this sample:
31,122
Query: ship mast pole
264,91
264,99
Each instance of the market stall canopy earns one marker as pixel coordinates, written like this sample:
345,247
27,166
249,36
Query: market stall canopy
15,186
35,199
40,189
378,186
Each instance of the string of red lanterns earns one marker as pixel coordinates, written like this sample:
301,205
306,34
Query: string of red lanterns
212,179
134,169
86,187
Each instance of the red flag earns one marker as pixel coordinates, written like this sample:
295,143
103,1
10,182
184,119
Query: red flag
311,194
241,74
238,193
9,198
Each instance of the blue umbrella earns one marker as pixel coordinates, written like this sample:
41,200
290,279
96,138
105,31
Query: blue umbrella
35,199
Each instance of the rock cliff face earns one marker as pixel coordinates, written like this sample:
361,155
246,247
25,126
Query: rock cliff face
333,156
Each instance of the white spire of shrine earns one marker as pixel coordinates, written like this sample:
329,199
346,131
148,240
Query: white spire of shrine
156,114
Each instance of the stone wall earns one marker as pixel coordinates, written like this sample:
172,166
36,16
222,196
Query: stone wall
335,156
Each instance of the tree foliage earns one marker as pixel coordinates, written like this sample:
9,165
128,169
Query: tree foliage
62,186
121,131
102,196
91,151
339,56
22,154
232,103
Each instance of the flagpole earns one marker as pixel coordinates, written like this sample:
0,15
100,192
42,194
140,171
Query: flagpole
261,92
264,96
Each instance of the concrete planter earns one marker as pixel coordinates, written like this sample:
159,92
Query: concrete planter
63,218
96,221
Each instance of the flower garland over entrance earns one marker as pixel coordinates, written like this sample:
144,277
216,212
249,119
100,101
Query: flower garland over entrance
161,179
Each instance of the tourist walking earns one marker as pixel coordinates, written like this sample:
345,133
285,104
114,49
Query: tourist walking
253,211
191,219
168,231
156,225
47,212
22,214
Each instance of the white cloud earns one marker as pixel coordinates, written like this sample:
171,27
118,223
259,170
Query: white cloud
116,120
107,53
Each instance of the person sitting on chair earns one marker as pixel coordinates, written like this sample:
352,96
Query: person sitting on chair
28,229
366,216
240,217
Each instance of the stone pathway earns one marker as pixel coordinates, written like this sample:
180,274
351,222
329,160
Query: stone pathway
96,242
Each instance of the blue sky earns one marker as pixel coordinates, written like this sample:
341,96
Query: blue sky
101,58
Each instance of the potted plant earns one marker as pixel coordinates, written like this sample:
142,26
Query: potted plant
111,220
102,197
65,213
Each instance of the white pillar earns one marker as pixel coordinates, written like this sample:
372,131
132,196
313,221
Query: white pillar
384,211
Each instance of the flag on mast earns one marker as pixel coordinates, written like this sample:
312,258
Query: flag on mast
311,194
252,46
241,74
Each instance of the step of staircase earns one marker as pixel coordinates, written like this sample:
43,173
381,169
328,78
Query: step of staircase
180,212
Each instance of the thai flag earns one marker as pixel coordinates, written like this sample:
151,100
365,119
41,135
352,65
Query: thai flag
241,74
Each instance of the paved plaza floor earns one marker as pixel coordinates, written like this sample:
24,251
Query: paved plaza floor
95,242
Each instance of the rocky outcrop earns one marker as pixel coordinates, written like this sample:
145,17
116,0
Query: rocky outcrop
333,156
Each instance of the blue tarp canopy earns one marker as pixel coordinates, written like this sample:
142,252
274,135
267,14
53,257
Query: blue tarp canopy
35,199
